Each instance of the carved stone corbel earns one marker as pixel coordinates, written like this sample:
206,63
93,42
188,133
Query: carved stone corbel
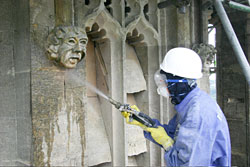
66,45
207,53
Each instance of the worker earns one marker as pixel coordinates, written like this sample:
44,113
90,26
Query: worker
198,134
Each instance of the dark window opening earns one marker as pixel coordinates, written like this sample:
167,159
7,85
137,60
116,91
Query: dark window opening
145,11
86,2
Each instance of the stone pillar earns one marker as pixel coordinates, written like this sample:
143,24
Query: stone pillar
64,12
232,88
23,78
15,118
118,11
248,87
8,120
183,29
58,94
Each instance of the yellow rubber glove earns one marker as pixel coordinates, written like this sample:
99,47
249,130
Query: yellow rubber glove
132,122
161,137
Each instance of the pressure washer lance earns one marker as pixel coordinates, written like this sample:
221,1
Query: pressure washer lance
138,116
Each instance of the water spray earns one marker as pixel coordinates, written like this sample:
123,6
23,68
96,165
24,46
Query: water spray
134,114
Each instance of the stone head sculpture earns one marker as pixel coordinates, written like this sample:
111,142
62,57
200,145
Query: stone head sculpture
67,45
206,53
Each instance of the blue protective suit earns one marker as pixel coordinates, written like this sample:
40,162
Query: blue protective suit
200,132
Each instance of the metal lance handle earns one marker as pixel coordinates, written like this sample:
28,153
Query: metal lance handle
138,116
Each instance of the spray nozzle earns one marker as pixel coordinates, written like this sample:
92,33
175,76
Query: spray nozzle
115,103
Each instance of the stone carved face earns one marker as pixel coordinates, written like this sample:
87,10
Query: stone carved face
206,53
67,45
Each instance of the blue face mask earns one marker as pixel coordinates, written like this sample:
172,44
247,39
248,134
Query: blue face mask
178,87
172,82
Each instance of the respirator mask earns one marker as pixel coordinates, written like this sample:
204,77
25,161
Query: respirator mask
164,84
160,81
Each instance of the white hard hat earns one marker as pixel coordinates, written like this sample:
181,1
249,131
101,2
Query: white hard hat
182,62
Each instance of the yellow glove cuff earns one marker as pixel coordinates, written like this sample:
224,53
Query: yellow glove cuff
167,144
161,137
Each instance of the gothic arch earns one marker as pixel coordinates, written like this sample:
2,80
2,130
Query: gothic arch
145,40
144,27
108,37
110,25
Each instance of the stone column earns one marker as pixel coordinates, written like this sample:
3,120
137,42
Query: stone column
248,87
232,88
58,94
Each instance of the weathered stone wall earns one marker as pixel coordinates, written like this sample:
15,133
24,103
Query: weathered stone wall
8,94
47,105
232,88
15,118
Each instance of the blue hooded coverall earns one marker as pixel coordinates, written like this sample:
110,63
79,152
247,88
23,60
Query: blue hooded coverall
200,132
